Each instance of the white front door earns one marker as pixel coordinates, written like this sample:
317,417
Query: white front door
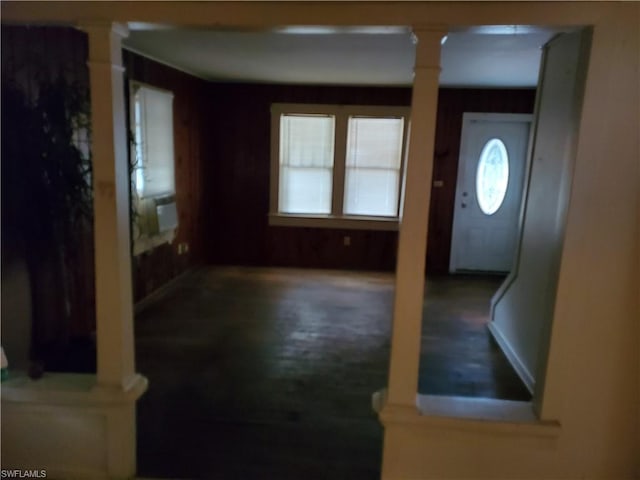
493,153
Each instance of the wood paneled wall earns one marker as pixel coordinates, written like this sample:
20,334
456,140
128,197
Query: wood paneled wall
222,136
33,57
237,173
154,268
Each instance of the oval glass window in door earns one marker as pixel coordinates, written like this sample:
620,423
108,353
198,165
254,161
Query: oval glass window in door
492,176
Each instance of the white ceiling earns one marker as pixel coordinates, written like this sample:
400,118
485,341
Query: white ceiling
469,59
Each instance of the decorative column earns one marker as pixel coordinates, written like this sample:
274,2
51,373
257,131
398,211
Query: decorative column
114,309
117,385
412,243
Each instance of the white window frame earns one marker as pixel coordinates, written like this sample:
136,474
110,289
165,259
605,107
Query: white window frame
337,218
134,86
146,207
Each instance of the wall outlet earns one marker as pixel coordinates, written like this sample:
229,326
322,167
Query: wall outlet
183,247
346,241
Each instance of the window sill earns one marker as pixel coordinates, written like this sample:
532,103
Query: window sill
146,243
329,221
483,415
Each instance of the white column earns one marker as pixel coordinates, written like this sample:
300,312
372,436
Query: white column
114,310
412,243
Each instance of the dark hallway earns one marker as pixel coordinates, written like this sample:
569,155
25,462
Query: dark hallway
268,373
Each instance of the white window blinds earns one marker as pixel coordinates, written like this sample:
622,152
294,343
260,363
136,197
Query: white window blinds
153,118
306,163
372,173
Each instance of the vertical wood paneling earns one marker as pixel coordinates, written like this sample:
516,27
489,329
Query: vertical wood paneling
154,268
31,57
222,136
237,172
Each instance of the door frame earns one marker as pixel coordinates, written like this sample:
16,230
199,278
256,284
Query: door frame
467,119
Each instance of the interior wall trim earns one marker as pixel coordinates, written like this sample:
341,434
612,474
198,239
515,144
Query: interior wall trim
164,62
515,361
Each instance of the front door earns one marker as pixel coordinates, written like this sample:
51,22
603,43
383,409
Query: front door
493,152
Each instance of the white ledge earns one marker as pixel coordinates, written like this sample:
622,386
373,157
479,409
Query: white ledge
76,389
330,221
484,415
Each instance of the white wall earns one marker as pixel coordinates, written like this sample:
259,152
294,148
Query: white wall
522,309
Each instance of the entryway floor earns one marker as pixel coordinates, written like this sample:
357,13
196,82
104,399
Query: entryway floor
268,373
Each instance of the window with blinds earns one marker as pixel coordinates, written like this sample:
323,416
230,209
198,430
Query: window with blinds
153,174
374,156
306,163
336,163
153,132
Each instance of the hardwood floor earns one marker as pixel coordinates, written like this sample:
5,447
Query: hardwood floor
458,355
268,373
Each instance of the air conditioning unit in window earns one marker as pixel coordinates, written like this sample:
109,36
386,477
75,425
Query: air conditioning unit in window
156,215
166,213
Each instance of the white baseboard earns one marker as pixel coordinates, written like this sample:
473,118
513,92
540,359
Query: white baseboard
517,364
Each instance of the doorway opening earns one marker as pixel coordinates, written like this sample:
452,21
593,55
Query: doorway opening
459,356
515,316
238,196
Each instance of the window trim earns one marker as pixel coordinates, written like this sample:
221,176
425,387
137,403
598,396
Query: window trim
134,85
143,241
336,219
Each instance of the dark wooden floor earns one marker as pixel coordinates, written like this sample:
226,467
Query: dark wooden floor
458,355
268,373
